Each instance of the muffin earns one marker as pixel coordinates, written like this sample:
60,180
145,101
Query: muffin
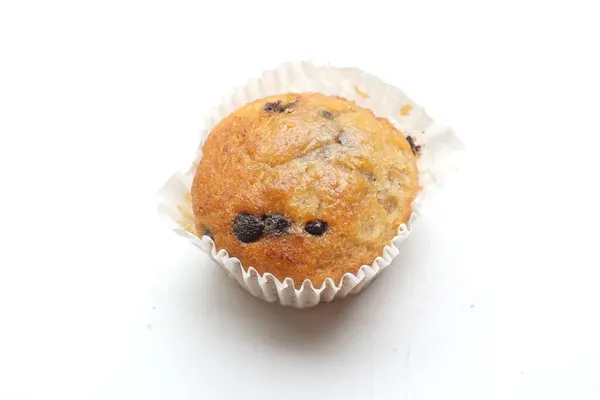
304,186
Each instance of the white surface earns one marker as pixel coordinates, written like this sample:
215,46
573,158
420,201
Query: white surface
498,294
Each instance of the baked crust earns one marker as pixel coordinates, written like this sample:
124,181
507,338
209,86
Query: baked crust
281,167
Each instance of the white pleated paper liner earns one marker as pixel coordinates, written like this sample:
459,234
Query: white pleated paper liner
440,149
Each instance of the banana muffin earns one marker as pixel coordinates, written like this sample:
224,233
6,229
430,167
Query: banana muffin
304,186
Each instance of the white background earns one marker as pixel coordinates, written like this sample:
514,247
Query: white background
495,296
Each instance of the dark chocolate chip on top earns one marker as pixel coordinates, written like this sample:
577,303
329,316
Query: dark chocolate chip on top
247,228
413,146
278,107
272,107
276,224
325,114
316,227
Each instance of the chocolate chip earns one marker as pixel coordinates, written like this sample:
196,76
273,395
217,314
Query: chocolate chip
414,147
272,107
276,224
207,232
286,107
325,114
247,228
276,106
316,227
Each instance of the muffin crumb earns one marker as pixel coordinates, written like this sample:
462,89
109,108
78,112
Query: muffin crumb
360,92
406,109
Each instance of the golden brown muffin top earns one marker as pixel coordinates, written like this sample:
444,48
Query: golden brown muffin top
304,185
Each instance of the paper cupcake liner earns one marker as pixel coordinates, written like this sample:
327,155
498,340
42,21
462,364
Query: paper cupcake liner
438,158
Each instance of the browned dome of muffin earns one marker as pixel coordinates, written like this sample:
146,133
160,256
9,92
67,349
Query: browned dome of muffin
304,185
